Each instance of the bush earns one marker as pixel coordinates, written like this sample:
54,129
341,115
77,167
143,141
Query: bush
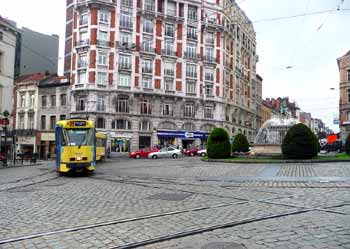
240,144
300,143
347,145
218,144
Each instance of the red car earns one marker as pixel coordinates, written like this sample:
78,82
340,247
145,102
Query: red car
2,158
191,152
142,153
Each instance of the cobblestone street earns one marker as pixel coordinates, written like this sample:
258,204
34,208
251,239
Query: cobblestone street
181,203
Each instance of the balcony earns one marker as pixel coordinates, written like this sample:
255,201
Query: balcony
168,52
82,65
103,43
191,75
209,77
209,58
147,70
83,43
126,3
85,2
125,46
124,66
192,56
150,50
149,7
193,37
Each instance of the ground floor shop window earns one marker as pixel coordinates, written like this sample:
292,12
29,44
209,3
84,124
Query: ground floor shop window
121,145
144,142
188,143
166,141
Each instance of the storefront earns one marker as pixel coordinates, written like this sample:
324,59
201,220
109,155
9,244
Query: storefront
120,142
182,139
144,141
47,147
26,145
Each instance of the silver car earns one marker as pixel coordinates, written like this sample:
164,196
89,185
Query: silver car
165,152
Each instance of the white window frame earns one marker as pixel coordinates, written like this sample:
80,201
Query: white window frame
208,112
145,125
122,106
104,37
31,100
147,26
171,8
147,66
102,59
192,13
104,16
167,109
100,104
82,77
189,111
145,107
147,83
124,80
102,78
191,87
191,70
22,100
82,16
125,21
169,85
169,30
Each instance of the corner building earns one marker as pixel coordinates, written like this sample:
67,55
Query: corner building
161,71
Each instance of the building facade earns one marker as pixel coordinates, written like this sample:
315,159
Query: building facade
41,100
161,72
344,90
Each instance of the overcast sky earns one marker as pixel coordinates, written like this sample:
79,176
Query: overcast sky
308,46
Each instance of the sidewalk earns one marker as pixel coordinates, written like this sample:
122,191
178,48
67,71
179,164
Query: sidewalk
19,163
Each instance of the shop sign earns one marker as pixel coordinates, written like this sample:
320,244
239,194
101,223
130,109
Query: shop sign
182,134
47,136
25,140
189,134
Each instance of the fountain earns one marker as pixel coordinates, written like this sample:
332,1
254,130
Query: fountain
270,136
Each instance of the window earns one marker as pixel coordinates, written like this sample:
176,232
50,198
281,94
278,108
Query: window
190,88
125,21
31,121
168,109
84,36
188,127
122,106
125,38
126,3
147,45
124,62
82,61
348,71
192,32
168,47
80,105
169,30
21,122
208,112
102,78
145,107
101,104
209,38
192,13
84,19
104,16
63,99
43,101
53,100
209,53
32,100
43,122
124,80
149,5
23,100
100,123
62,117
209,89
169,69
145,125
209,74
147,66
190,51
147,83
81,77
189,111
348,90
102,59
121,124
169,85
52,122
147,26
167,126
191,71
171,8
103,35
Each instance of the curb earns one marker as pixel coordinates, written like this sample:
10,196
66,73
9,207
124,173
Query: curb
273,162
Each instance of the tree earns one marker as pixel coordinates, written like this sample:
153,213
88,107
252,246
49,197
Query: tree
240,144
300,143
218,144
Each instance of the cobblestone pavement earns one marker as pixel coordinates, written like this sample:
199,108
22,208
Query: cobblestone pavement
183,203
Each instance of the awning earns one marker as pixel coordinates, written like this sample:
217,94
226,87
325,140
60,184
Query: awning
182,134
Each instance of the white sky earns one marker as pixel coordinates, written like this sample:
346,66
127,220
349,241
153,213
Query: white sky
309,44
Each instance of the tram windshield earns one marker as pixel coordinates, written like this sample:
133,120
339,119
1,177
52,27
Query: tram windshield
78,137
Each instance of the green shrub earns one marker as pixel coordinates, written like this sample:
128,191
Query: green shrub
218,145
300,143
347,145
240,144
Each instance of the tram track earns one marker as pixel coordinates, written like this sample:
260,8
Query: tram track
29,184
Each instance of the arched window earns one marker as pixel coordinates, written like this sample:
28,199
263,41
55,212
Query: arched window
188,126
207,127
167,126
145,125
101,123
121,124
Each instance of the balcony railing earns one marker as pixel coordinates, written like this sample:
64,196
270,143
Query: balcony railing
146,70
103,43
83,42
193,56
124,66
149,7
147,49
209,58
168,52
82,64
191,75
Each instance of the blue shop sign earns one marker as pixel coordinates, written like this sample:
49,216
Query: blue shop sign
182,134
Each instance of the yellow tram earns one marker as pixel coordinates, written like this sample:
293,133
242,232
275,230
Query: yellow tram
101,142
75,146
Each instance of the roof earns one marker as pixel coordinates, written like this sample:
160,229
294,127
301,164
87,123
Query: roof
30,78
54,80
10,24
348,53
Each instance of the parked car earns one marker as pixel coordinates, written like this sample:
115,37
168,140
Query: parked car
191,152
202,152
142,153
165,152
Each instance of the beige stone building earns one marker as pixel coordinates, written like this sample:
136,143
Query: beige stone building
344,90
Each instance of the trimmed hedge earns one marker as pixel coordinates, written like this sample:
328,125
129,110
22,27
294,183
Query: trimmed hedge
300,143
240,144
347,145
218,145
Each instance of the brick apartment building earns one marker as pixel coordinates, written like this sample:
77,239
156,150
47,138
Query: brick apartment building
162,72
344,90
